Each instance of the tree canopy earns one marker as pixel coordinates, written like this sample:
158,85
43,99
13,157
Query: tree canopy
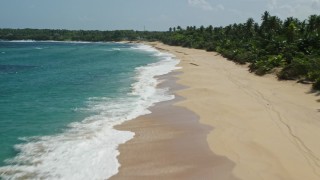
291,48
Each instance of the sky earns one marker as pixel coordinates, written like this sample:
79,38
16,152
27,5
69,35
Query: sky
152,15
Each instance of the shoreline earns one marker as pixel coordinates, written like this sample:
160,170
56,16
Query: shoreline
169,143
269,129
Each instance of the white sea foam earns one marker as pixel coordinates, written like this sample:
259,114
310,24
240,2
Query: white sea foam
144,47
28,40
111,50
88,149
52,41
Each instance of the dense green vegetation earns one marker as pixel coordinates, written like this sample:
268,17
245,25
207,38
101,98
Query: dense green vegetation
75,35
290,48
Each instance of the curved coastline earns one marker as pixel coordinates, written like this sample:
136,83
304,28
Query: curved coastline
170,143
244,126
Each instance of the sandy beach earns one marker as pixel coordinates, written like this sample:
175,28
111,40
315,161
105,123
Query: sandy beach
228,124
170,143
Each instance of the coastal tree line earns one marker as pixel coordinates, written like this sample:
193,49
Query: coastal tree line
75,35
290,48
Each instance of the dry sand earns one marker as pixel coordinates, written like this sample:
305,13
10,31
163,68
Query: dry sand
269,129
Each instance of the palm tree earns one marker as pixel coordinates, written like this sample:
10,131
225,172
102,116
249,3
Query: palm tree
249,27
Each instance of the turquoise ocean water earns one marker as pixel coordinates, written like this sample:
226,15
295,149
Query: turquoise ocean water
59,102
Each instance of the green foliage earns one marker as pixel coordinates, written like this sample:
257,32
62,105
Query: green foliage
316,84
297,69
78,35
291,45
313,69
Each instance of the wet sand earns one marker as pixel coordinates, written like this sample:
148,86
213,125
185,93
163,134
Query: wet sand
170,143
